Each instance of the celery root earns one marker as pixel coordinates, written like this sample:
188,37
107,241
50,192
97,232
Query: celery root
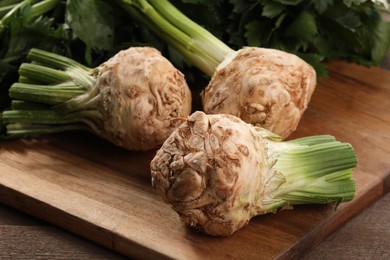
265,87
218,172
133,100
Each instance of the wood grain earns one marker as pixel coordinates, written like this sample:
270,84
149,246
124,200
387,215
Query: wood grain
364,237
87,186
24,237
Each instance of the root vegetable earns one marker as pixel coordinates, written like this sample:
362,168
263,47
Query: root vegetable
264,87
218,172
133,100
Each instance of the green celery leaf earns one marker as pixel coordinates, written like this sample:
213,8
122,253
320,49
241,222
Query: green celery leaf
39,33
322,46
241,6
279,21
92,21
272,9
257,33
349,3
350,20
303,27
289,2
316,61
241,13
381,46
322,5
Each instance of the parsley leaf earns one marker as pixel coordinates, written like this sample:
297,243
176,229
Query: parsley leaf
303,28
92,21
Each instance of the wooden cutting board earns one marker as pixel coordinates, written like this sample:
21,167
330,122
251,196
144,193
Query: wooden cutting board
92,188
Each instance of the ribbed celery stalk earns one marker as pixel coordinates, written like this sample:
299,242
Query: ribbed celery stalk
315,169
37,7
198,45
6,6
51,79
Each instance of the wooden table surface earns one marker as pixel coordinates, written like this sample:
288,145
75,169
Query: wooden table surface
367,236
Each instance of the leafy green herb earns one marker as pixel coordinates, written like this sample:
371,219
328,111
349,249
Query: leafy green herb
90,31
96,29
316,30
87,31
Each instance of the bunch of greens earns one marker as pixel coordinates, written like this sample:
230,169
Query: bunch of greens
91,31
88,31
314,30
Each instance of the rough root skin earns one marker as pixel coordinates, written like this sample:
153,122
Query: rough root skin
204,166
265,87
142,96
218,172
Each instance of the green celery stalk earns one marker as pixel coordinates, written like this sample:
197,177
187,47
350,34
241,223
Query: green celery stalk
5,9
316,170
51,106
199,46
38,7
